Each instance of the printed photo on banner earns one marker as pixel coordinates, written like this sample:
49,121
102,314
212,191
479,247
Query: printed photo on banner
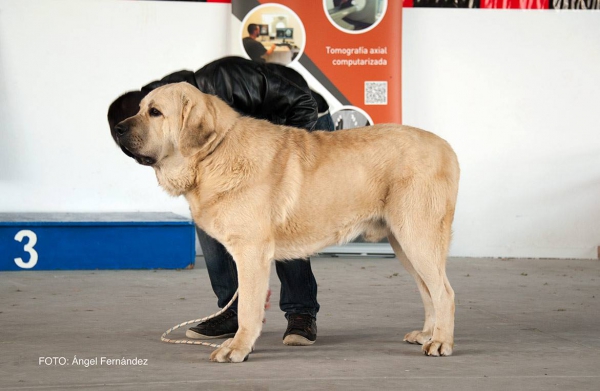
273,33
350,117
355,16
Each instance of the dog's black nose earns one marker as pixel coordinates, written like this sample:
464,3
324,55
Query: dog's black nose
121,129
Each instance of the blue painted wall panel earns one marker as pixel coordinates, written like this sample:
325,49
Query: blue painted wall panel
95,241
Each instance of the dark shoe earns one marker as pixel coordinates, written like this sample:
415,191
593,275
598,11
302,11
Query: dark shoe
301,330
222,326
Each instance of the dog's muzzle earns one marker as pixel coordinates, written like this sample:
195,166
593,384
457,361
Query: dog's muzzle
121,133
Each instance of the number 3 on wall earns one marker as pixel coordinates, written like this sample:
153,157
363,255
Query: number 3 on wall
33,255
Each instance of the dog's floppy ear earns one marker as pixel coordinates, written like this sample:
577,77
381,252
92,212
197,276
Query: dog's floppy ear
205,121
194,132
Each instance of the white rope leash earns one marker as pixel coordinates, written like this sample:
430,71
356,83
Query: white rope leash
189,341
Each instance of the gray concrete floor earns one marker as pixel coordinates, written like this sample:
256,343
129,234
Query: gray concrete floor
520,325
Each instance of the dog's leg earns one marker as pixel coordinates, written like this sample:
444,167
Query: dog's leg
429,263
425,238
428,258
424,335
254,265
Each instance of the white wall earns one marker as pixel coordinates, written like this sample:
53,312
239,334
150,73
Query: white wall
61,65
515,92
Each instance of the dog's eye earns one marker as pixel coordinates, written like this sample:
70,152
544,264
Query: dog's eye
154,113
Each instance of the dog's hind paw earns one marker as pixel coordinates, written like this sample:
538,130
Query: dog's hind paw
417,337
437,348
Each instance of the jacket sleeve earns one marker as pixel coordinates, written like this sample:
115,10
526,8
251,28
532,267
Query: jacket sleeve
254,90
175,77
295,104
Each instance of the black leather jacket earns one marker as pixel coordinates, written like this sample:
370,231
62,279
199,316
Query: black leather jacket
265,91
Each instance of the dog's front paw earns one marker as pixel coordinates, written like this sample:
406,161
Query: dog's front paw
228,353
437,348
227,342
417,337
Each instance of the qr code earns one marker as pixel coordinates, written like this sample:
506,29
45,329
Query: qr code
376,92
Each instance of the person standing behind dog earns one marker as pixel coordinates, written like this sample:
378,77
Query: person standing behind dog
280,95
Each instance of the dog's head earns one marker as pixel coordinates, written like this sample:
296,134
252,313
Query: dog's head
174,120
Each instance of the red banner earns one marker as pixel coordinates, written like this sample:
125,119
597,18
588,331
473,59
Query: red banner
353,48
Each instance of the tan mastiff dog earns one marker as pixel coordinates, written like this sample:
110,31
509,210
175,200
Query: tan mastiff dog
270,192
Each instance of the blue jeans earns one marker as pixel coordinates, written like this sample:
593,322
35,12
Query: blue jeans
325,122
298,293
